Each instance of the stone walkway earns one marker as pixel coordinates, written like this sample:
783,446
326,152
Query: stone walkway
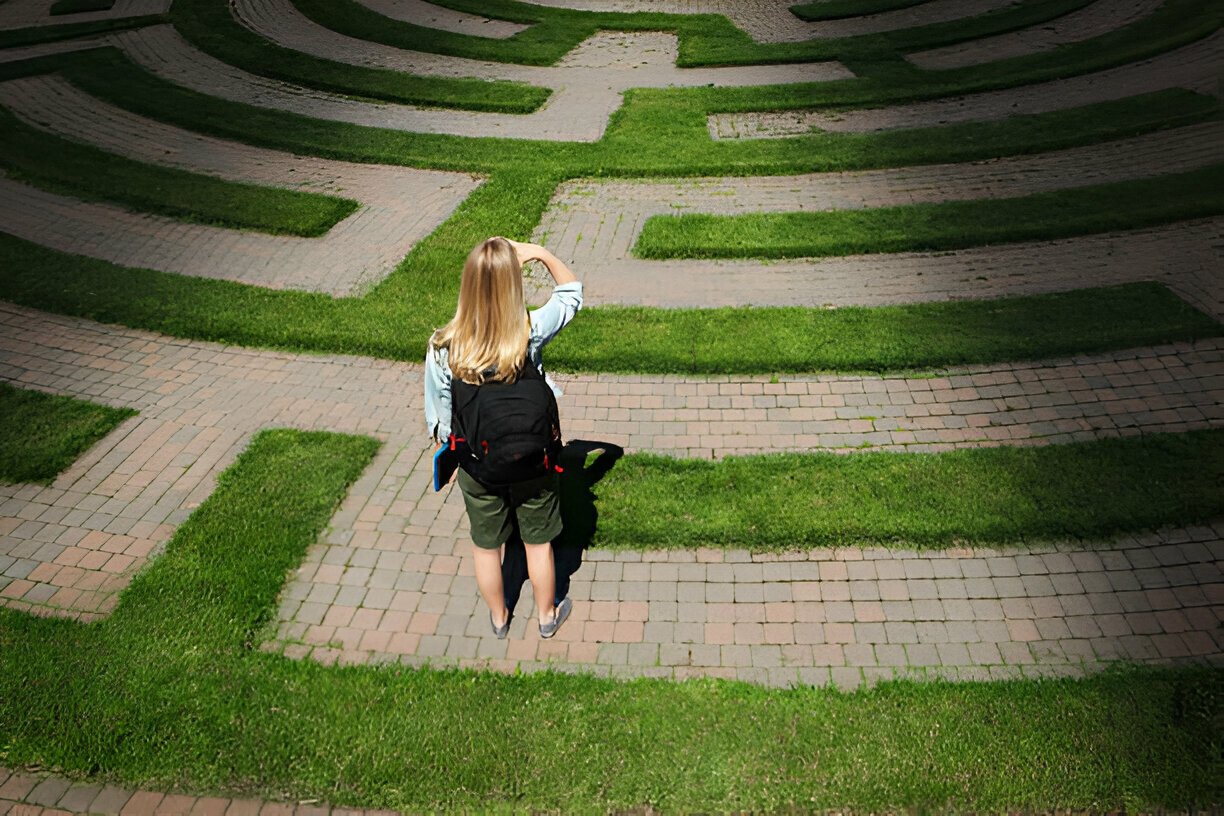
400,205
1195,67
1094,20
420,13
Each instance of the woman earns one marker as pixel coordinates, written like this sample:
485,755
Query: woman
490,339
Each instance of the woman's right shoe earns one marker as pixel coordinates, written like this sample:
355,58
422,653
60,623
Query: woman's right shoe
560,613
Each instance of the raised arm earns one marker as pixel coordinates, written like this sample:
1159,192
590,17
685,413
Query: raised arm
534,252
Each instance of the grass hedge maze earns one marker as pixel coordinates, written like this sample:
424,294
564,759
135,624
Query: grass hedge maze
896,400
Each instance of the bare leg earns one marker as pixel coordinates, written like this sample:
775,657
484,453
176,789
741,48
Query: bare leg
489,580
543,579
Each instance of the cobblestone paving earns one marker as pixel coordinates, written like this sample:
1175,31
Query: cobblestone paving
400,205
1095,20
578,109
1195,67
26,13
392,578
429,15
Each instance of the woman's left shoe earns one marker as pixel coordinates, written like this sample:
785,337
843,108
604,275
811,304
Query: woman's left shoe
500,631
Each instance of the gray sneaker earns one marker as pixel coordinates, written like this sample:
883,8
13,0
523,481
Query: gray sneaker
561,612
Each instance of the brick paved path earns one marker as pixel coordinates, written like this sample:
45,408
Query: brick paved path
1195,67
1091,21
400,205
429,15
38,793
392,578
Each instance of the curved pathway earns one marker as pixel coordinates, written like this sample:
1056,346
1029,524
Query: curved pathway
429,15
400,205
1195,67
392,579
772,20
1092,21
578,109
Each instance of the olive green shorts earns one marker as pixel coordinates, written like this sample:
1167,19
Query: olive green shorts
492,512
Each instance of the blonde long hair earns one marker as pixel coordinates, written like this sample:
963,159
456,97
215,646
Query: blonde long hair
486,340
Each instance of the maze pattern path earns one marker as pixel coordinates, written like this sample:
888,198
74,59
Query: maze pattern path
393,576
429,15
578,110
391,580
1194,67
597,223
772,20
400,205
1095,20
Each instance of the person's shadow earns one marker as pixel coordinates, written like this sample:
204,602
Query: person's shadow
578,515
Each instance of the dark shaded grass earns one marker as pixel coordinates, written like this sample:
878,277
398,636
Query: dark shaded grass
209,25
939,226
1001,495
41,434
170,691
14,37
83,171
78,6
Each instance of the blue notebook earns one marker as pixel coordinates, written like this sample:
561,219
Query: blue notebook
445,462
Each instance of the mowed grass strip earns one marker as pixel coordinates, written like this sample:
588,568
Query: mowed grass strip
1002,495
940,226
840,9
54,163
32,35
41,434
210,26
182,648
879,339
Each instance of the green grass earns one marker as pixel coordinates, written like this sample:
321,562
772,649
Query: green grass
208,25
938,226
14,37
170,690
78,6
840,9
992,496
878,339
41,434
54,163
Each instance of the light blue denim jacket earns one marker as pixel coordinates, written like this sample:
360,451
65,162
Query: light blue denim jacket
546,322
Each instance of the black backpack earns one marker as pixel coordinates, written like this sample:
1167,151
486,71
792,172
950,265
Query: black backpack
512,429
